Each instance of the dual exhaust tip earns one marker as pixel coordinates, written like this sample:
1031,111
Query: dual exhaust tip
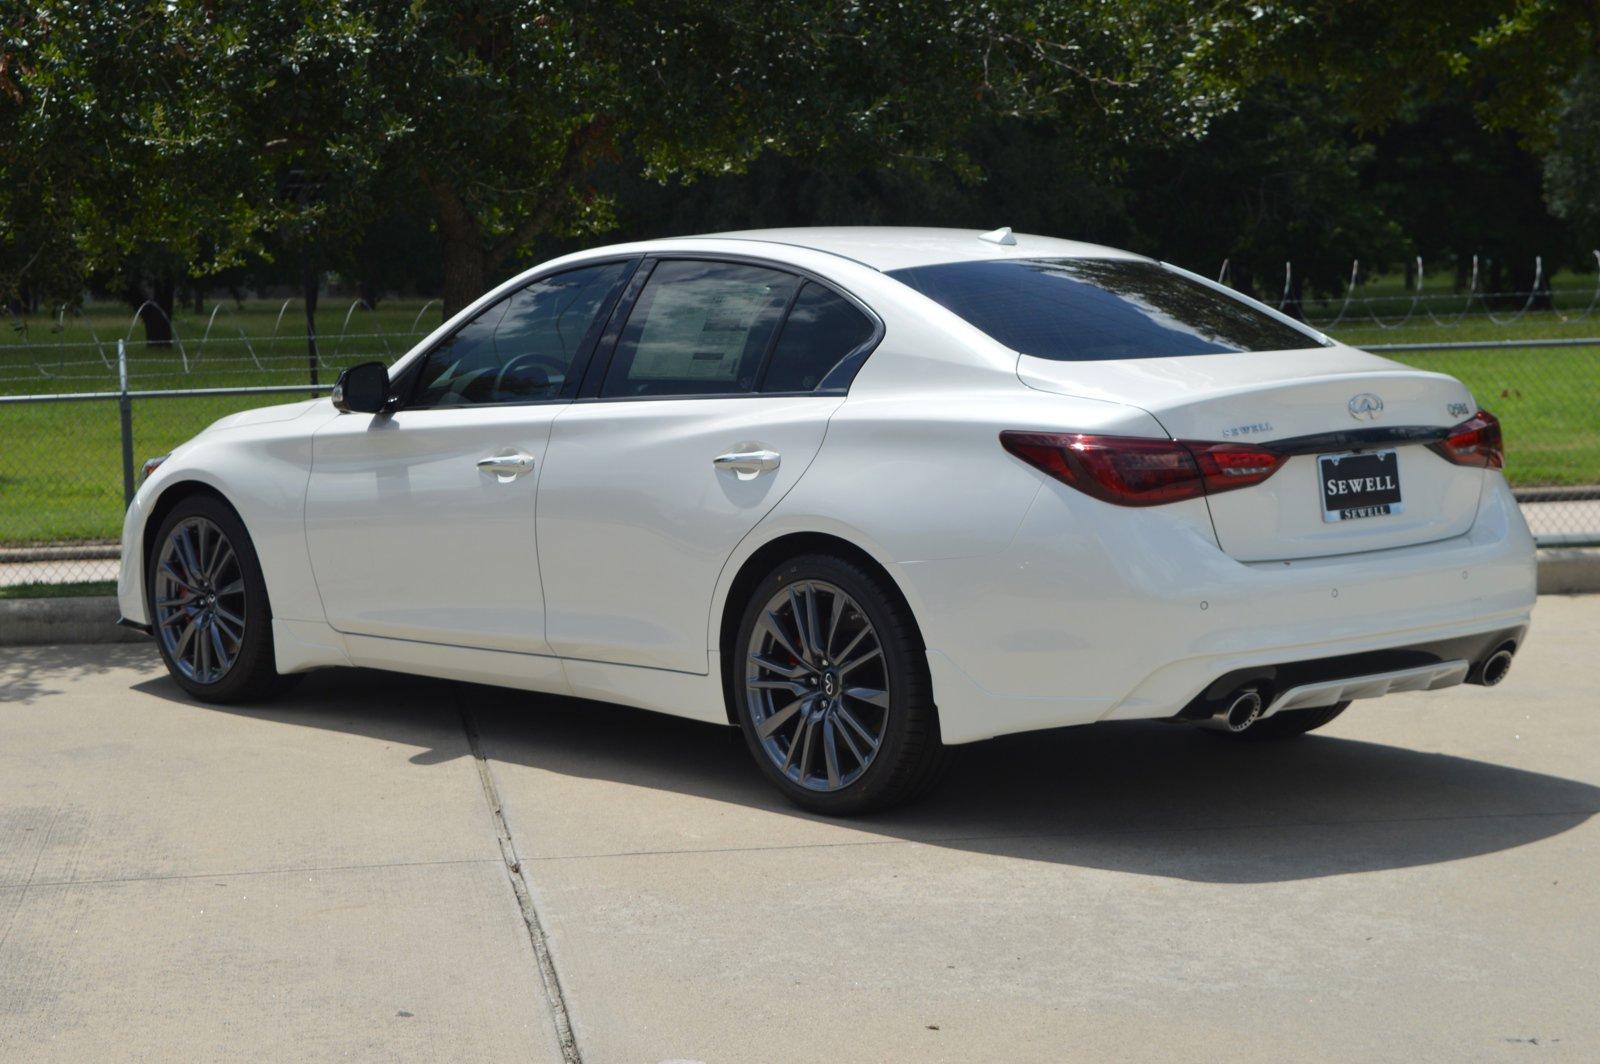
1245,706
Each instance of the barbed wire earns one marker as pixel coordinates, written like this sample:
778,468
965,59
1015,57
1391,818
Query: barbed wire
47,360
1418,299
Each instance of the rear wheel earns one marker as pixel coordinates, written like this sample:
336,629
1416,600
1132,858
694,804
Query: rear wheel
208,604
1289,724
833,693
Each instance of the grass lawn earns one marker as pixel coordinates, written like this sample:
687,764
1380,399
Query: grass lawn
60,463
242,345
1548,403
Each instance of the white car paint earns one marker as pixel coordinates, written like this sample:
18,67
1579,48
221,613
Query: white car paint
606,571
387,496
635,523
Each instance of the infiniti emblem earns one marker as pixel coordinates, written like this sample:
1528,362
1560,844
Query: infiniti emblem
1365,407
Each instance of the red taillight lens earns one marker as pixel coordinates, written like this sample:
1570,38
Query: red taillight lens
1134,471
1122,469
1474,442
1227,466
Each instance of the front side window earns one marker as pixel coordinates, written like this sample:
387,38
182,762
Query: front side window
822,329
699,328
521,348
1080,310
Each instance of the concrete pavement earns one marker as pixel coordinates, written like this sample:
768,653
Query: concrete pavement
325,877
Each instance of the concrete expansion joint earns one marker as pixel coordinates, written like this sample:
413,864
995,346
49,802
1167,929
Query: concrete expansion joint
519,887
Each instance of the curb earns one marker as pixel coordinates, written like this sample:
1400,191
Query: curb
77,552
91,619
30,622
1569,570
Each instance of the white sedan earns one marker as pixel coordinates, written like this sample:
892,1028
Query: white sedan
867,494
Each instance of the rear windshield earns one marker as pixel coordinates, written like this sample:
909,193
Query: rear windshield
1084,310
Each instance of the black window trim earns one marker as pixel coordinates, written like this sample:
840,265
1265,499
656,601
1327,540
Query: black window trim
592,339
836,382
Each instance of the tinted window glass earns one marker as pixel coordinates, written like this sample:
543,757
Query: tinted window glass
699,328
1075,310
521,348
822,328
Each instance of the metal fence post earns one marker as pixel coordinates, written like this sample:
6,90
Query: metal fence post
125,408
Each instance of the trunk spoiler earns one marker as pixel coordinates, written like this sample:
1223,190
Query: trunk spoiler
1352,439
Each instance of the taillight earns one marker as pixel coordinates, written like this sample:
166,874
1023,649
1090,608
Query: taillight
1474,442
1227,466
1135,471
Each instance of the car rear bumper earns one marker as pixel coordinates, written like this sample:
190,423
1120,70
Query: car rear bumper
1097,612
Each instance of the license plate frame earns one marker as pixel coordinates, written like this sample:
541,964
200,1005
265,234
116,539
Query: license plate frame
1354,485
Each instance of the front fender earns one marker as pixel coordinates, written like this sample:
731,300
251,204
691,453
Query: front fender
259,469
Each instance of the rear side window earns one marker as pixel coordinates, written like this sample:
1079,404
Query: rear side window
1083,310
821,329
699,328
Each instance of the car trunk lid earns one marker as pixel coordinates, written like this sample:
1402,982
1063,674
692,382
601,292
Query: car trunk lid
1315,404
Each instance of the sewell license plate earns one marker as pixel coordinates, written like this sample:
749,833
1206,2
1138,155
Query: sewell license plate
1359,485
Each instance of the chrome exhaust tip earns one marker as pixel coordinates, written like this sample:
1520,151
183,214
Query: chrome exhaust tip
1241,711
1495,667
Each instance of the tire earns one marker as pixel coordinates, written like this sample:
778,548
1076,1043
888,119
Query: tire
1288,725
875,711
208,604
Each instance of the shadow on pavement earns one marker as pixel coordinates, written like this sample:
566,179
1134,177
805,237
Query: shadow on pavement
26,672
1146,797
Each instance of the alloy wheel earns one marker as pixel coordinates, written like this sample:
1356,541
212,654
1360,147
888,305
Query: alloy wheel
817,686
199,600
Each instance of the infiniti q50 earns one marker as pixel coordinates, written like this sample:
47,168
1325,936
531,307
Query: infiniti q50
866,494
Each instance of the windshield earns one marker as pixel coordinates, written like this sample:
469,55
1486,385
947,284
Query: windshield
1081,310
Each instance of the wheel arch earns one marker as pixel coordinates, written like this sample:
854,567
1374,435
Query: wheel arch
768,556
171,495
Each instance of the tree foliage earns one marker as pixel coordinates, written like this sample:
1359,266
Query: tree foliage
155,143
1572,167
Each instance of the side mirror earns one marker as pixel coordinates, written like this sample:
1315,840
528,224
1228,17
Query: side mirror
362,389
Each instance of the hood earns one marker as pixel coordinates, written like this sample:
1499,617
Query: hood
264,415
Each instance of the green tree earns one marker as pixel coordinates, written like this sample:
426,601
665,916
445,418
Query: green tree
1572,166
1511,57
132,143
506,112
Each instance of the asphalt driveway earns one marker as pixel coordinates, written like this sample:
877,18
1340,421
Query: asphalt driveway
383,868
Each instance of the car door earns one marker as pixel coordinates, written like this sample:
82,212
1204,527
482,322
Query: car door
714,401
420,522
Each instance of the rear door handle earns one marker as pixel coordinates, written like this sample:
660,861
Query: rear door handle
747,465
507,467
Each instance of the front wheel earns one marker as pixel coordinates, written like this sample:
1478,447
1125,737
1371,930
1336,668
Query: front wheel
832,690
208,604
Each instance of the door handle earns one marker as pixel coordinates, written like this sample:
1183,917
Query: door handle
747,465
507,467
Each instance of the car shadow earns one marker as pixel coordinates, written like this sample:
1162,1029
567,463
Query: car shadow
1151,798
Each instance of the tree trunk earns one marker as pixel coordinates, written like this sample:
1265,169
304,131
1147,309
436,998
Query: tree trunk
1295,307
465,267
310,286
154,305
368,291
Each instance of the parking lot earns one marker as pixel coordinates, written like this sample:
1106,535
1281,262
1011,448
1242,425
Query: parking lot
383,868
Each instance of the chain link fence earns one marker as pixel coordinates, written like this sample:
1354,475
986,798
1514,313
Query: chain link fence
79,418
79,422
